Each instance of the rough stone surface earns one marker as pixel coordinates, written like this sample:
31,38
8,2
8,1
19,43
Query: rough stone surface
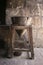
38,59
30,9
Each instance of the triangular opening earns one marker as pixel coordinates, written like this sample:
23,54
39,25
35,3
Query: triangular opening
19,32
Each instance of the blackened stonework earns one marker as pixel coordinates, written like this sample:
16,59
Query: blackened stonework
2,11
3,48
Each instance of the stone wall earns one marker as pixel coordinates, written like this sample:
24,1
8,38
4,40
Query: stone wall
14,3
38,32
37,21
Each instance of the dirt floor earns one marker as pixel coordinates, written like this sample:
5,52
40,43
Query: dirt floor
38,59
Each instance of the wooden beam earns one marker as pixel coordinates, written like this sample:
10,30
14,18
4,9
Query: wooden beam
31,41
20,41
21,27
19,49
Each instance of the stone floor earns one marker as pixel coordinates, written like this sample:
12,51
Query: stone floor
38,59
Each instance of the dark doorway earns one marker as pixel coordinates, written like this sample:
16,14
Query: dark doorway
2,12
